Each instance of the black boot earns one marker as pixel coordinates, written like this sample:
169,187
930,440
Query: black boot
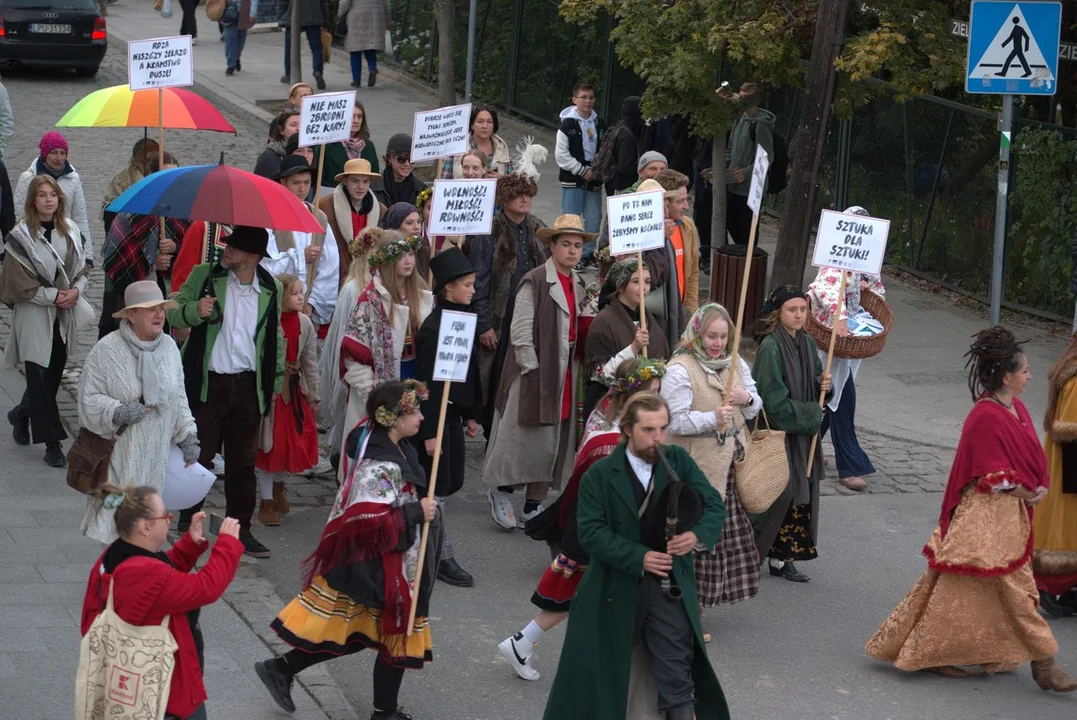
20,425
54,455
251,546
790,573
1053,607
397,714
449,571
278,681
686,712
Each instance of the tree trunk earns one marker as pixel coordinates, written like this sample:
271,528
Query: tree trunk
293,51
446,74
798,216
718,205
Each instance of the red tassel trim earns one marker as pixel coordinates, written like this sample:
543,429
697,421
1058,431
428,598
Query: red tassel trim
366,531
988,483
353,350
973,570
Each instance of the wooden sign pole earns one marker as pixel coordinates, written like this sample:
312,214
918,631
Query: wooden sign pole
829,360
312,268
642,296
431,484
160,154
737,333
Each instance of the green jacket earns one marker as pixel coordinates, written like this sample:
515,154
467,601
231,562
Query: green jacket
783,412
741,150
185,315
592,677
336,156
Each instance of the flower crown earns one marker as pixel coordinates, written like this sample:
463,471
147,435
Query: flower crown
603,254
414,393
423,197
364,241
389,254
648,370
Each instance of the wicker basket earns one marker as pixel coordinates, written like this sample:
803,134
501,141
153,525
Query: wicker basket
762,476
850,347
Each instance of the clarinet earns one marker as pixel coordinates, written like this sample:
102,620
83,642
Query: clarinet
670,591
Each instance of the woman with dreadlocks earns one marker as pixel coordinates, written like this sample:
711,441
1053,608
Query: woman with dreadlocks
976,604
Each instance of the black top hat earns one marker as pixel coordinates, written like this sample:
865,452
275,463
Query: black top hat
447,266
292,164
254,240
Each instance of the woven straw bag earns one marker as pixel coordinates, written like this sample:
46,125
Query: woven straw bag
125,671
763,474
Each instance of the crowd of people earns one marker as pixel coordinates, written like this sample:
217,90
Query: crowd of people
615,414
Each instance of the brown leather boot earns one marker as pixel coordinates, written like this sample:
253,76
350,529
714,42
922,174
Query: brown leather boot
1049,676
267,513
280,499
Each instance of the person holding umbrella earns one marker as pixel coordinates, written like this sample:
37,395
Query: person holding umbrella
233,363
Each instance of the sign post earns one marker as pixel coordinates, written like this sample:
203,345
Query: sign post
852,244
160,63
1013,50
456,341
637,223
323,118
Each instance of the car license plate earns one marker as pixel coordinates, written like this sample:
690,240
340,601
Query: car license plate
50,28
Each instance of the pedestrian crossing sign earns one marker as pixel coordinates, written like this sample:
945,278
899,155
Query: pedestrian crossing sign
1013,47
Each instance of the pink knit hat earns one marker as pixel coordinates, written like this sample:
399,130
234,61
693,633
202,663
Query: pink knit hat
50,141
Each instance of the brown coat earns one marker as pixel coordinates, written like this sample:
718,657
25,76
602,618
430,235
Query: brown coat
337,209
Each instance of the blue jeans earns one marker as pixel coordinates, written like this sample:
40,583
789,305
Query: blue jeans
234,40
357,63
314,39
850,458
588,203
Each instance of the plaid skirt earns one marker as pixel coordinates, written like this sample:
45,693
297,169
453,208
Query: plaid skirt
729,572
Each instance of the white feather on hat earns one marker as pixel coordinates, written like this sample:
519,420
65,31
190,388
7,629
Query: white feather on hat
529,157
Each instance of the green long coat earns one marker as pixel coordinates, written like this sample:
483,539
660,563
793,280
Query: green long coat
592,677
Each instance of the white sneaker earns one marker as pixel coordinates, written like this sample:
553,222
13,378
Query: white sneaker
324,467
523,517
218,465
501,509
522,665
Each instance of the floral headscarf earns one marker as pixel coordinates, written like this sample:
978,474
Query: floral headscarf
621,272
692,340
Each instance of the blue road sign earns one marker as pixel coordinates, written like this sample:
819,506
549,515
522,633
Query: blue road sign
1013,47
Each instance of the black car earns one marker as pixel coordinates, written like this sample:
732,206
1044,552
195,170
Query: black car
52,33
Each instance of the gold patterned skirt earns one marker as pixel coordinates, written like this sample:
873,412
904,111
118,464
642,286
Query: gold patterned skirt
977,602
321,619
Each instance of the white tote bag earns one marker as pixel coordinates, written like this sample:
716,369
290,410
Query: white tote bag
125,671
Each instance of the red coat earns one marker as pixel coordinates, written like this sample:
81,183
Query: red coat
147,590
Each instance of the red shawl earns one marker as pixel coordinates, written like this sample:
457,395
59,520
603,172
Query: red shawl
597,444
995,448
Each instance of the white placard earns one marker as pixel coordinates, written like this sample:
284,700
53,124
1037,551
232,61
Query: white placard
637,221
462,207
326,118
850,242
456,338
440,133
184,486
759,179
160,63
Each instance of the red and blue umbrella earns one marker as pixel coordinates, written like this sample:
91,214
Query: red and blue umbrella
217,193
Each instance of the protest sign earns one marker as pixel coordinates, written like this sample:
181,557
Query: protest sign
637,222
160,63
462,207
326,118
440,133
759,179
856,243
456,335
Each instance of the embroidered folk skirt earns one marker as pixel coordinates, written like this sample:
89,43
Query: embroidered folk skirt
321,619
558,585
794,540
729,572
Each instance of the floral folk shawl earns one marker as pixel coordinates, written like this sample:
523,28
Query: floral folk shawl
368,335
692,342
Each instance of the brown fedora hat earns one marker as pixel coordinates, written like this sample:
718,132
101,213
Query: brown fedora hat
565,225
358,166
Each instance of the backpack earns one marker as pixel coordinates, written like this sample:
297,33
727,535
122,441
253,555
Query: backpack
605,162
777,172
215,9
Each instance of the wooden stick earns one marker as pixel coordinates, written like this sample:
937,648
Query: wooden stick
430,273
312,268
642,296
431,484
737,334
829,360
160,156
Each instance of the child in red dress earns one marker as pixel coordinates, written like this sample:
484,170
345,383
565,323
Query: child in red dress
289,438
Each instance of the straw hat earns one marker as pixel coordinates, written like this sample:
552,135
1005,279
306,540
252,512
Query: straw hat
143,294
358,166
565,225
651,186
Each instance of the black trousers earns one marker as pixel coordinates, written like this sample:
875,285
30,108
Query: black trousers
669,640
387,679
738,218
39,401
188,25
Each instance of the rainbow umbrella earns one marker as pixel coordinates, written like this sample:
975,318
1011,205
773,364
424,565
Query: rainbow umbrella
217,193
119,106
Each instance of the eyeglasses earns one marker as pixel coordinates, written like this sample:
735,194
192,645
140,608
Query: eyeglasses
403,159
166,516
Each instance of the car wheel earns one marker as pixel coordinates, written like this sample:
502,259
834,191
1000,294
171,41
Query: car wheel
86,72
